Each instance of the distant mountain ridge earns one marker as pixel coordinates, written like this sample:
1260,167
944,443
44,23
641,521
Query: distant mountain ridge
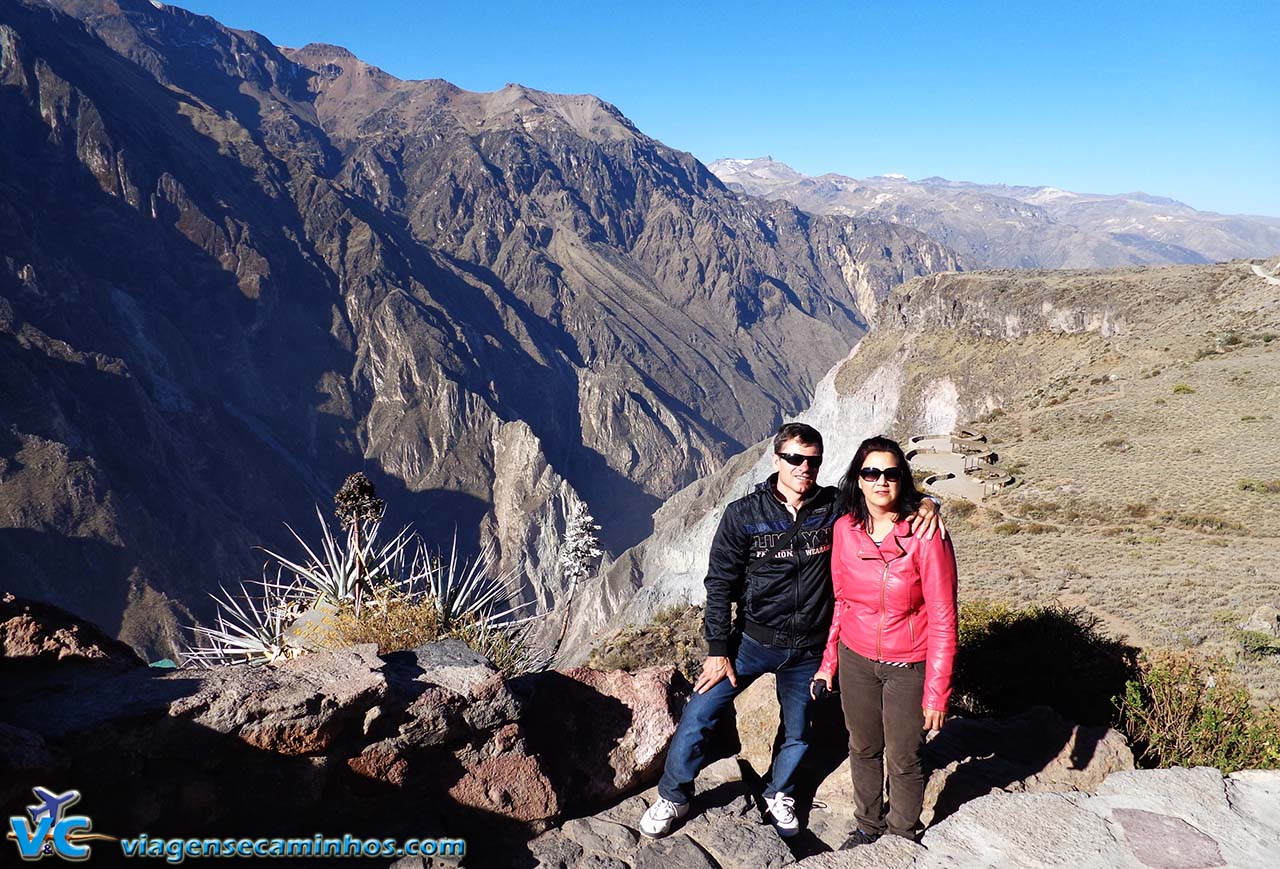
1002,226
230,274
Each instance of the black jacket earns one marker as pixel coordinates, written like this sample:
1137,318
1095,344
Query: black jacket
787,601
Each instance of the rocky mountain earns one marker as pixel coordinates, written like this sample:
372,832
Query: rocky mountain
1134,407
230,274
1001,226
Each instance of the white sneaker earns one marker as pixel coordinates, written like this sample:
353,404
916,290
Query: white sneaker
657,821
782,809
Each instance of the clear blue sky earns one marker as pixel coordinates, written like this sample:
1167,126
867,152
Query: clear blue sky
1175,98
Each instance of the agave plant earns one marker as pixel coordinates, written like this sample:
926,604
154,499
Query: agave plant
466,588
335,572
249,629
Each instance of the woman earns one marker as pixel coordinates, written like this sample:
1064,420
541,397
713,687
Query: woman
893,637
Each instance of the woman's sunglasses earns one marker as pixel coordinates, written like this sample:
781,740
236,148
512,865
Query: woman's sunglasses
891,475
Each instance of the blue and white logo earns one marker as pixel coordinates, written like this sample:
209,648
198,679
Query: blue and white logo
51,831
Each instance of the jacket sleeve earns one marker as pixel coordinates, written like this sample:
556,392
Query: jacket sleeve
938,581
726,572
831,656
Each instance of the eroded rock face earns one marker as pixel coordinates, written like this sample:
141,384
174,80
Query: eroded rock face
33,633
340,740
297,265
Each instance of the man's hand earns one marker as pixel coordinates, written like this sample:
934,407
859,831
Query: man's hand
933,719
821,677
714,669
927,520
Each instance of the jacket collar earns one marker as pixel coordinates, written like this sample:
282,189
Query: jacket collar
814,498
889,548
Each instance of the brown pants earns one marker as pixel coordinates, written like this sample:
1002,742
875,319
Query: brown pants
886,726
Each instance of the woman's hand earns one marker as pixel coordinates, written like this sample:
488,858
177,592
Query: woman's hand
933,719
926,520
821,677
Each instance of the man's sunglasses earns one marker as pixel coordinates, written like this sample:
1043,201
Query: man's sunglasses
797,459
891,475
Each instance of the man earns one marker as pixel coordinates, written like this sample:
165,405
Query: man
772,556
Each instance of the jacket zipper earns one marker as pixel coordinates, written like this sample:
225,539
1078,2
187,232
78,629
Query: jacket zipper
880,630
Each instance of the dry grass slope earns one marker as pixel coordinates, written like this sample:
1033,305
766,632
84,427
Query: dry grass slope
1148,459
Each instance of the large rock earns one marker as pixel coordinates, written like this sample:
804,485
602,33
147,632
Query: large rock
33,633
616,736
301,707
1162,819
758,718
342,740
1265,619
726,830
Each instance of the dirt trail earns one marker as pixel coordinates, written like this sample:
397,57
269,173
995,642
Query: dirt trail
1266,275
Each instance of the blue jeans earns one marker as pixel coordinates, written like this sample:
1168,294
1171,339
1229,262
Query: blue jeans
794,670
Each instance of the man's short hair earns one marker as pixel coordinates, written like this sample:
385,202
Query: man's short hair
797,431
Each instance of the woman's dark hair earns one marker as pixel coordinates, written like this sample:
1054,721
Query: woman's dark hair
850,498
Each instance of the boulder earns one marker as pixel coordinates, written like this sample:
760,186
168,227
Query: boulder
300,707
726,830
1037,751
600,733
758,720
1265,619
40,633
1162,819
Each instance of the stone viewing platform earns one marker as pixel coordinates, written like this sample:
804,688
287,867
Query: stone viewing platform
962,464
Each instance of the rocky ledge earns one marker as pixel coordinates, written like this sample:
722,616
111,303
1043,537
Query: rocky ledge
429,742
550,770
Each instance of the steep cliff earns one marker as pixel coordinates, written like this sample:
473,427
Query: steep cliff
233,274
1134,407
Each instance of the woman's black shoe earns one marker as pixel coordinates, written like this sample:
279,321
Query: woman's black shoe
858,837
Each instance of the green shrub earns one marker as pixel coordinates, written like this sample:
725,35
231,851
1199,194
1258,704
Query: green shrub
674,638
1008,528
1261,487
1183,389
1011,659
1208,523
960,508
1183,711
1257,644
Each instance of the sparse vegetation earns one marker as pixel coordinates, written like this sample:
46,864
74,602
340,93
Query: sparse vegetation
1183,711
1177,708
1257,644
1201,522
359,589
1260,487
1183,389
673,638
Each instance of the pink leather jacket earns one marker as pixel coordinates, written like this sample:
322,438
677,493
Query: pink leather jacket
895,602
